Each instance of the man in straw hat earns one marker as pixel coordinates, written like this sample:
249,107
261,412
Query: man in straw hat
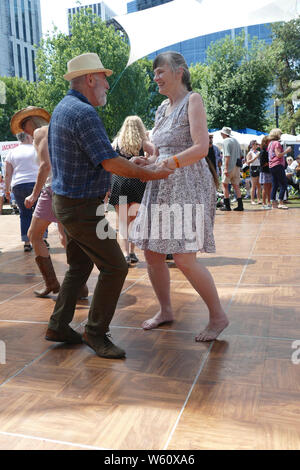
21,171
34,121
82,159
230,170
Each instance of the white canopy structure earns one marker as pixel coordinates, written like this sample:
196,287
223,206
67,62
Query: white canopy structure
243,139
155,28
289,139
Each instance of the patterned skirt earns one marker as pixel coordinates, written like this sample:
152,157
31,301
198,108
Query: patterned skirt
177,213
265,178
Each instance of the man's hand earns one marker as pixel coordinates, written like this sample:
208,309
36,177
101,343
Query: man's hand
140,161
29,201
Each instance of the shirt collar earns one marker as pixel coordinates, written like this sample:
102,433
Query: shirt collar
78,95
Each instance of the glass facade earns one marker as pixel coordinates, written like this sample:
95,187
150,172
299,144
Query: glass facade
99,9
194,50
20,30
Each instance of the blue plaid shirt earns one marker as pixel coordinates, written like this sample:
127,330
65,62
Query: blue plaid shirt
78,143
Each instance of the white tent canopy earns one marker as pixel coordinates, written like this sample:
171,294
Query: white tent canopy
289,139
155,28
243,139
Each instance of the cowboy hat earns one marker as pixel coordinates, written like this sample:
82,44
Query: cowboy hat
30,111
226,131
84,64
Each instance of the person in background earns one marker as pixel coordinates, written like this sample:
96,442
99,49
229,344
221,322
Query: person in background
213,153
21,170
265,178
290,172
230,170
276,155
253,161
34,121
127,193
2,192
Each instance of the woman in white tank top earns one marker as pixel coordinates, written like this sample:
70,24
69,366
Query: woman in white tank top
254,164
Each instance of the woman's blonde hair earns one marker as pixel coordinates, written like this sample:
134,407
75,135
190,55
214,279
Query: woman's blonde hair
131,136
275,134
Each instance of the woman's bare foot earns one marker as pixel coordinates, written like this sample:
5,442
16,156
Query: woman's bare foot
213,330
159,319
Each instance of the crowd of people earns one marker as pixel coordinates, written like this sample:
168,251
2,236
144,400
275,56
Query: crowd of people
66,171
265,173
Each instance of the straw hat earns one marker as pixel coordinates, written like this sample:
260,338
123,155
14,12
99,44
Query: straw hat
30,111
84,64
226,131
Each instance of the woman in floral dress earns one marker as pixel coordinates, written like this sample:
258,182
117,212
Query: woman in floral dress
176,215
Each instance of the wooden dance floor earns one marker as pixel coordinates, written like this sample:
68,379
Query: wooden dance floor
239,392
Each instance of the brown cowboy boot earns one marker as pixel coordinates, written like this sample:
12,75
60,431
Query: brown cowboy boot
46,267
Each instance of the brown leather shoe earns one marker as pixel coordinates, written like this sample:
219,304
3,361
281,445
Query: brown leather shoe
51,283
67,335
103,347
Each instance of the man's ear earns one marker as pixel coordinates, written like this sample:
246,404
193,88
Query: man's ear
89,79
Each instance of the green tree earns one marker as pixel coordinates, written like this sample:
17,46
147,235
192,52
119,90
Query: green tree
234,83
129,86
19,93
286,57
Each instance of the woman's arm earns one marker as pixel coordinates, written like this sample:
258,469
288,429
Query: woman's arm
9,169
199,134
41,146
249,160
280,154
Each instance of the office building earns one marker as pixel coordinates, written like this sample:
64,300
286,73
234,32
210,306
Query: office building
20,31
99,9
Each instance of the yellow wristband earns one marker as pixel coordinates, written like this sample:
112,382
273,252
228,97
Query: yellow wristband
176,161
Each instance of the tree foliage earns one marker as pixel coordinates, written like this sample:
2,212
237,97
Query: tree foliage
286,57
234,83
129,86
19,93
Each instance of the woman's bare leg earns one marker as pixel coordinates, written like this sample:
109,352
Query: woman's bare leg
35,234
160,279
202,281
122,213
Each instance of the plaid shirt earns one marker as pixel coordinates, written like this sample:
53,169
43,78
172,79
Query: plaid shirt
78,143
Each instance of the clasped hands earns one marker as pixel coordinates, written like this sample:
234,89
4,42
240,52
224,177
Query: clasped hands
144,161
160,168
